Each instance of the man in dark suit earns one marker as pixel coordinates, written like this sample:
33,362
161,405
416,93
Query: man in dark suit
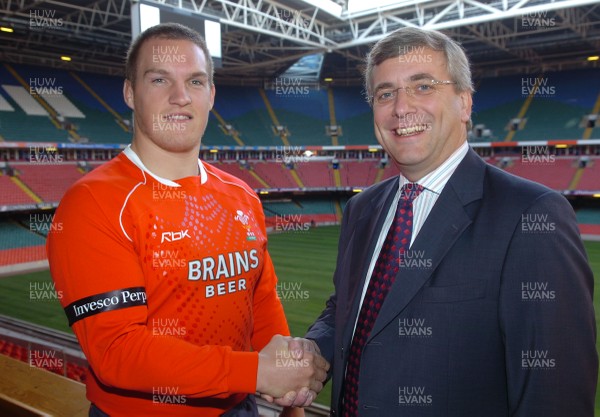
460,290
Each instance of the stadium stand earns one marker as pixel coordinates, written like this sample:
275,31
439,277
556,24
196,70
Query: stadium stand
555,111
12,195
305,114
34,356
235,169
556,174
20,244
315,174
590,179
299,214
50,188
359,173
275,174
244,108
95,107
70,370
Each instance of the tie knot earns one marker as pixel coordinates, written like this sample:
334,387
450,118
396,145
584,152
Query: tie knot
410,191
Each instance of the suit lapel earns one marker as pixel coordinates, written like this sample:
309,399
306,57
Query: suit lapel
367,231
444,225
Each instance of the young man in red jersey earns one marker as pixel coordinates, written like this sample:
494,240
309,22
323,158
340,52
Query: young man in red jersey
163,261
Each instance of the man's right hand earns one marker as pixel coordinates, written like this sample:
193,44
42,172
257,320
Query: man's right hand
288,365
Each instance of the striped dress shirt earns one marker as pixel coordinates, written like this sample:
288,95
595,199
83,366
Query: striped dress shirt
433,184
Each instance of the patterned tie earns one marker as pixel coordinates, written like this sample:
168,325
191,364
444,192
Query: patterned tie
384,273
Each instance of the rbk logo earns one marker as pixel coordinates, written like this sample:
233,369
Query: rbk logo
174,236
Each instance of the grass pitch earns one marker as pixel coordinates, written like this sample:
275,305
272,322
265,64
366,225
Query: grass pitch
304,262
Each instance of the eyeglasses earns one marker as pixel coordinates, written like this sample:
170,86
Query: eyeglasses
420,88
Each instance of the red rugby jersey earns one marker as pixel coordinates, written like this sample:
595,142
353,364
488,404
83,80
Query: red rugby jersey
168,286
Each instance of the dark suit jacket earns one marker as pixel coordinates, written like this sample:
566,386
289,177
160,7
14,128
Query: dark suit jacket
490,315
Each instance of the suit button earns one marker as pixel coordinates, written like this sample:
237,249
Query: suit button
342,353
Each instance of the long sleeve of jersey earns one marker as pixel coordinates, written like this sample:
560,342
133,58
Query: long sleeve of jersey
168,286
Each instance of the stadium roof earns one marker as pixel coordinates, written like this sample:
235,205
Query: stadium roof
263,38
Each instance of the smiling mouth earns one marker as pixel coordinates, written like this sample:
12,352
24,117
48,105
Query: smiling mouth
176,117
407,131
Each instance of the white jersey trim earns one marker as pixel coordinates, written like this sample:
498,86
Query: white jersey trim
125,203
133,157
252,194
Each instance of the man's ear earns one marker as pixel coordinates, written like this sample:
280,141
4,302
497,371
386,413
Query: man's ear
466,105
128,94
212,96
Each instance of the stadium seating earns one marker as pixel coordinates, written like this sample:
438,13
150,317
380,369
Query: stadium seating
590,180
235,169
556,175
315,174
22,243
298,215
244,108
275,174
554,113
70,370
354,116
15,235
52,187
11,194
359,173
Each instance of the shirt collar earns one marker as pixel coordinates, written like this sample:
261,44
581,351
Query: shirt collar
133,157
436,180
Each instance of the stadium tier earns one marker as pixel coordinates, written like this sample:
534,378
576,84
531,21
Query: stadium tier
590,177
317,174
49,188
22,242
12,194
38,104
34,184
17,351
557,173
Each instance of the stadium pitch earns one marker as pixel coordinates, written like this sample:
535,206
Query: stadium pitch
304,262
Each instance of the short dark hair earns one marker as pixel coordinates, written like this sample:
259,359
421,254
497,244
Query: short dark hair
173,31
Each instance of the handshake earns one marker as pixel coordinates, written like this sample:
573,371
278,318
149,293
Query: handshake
291,371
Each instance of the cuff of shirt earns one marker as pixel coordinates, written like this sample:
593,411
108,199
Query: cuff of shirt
243,369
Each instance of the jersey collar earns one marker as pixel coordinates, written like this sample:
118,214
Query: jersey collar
133,157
